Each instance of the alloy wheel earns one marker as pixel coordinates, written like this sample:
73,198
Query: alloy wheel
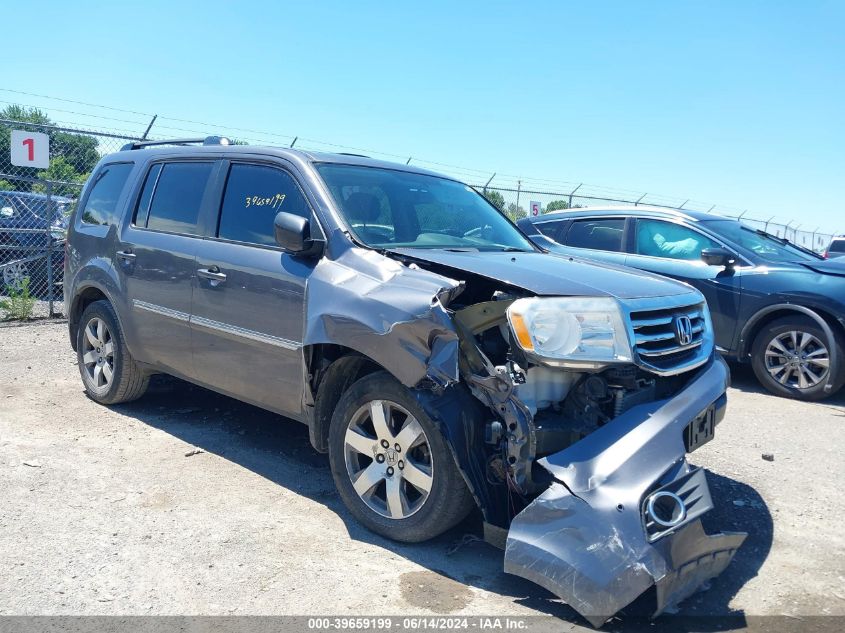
14,274
797,359
98,353
388,459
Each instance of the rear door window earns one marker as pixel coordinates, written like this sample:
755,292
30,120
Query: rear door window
254,195
550,229
602,234
101,205
177,196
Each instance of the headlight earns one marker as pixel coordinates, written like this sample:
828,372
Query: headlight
577,331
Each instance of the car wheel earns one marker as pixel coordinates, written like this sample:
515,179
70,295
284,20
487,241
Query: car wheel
108,371
14,274
790,358
391,464
35,270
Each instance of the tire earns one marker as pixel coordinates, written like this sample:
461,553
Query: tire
790,375
108,371
393,506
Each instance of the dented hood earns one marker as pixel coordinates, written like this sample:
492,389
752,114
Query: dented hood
548,274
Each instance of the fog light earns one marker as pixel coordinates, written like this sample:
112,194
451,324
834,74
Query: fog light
666,509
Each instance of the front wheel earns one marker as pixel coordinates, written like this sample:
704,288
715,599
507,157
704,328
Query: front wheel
391,465
791,358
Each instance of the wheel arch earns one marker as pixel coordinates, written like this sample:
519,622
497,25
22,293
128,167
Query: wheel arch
330,370
829,324
766,315
84,297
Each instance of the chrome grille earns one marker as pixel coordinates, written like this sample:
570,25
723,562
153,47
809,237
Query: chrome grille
658,338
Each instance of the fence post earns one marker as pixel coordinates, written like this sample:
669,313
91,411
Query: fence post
571,193
487,184
767,224
149,127
518,189
48,222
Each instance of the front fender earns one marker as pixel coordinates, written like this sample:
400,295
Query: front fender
391,313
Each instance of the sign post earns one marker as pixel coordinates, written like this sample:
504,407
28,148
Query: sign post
30,149
536,207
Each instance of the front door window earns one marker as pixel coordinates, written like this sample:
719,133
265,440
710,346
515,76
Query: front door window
656,238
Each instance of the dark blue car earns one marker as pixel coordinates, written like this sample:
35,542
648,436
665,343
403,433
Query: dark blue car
774,304
29,224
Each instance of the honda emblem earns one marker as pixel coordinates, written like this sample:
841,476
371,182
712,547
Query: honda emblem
683,330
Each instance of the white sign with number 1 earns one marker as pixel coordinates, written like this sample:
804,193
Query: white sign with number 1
30,149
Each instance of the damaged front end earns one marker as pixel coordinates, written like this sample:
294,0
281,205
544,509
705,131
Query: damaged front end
574,449
602,503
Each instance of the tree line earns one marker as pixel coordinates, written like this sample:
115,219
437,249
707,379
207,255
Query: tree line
515,212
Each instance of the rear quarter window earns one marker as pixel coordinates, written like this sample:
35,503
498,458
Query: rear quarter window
101,205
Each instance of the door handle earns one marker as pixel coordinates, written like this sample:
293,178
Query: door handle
213,274
127,255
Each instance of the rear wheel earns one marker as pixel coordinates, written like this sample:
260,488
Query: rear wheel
791,357
108,371
391,464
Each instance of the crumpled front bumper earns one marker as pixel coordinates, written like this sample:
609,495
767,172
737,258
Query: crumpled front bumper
586,537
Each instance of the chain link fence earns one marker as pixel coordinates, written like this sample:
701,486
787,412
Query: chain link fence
35,205
34,209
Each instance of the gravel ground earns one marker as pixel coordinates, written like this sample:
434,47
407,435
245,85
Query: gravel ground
113,510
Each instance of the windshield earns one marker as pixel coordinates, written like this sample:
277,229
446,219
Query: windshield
395,209
769,247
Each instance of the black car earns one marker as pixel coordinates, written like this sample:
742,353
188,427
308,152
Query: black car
30,224
441,359
773,303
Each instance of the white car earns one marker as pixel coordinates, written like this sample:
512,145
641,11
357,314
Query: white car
836,248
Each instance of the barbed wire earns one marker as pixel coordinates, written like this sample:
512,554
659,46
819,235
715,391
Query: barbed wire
272,138
506,183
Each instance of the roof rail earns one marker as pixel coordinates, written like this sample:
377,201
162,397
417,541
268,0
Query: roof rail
208,140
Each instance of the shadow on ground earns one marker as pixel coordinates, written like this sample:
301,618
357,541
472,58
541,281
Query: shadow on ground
279,450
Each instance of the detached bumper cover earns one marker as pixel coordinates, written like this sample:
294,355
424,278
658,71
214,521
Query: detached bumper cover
585,538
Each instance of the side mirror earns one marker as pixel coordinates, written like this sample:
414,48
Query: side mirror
718,257
293,234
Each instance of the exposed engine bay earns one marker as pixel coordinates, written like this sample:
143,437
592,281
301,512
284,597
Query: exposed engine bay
551,407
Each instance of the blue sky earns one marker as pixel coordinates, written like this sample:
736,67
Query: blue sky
732,103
